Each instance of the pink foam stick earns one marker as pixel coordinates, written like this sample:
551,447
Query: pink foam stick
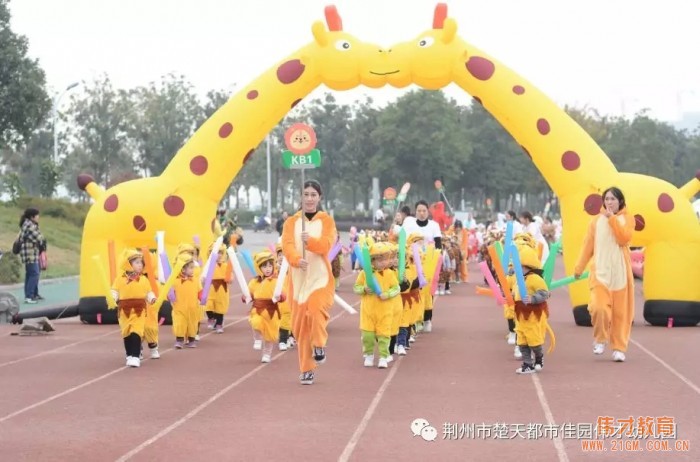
161,321
334,251
99,318
436,278
419,266
492,283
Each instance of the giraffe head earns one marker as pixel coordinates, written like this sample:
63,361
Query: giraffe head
343,61
429,59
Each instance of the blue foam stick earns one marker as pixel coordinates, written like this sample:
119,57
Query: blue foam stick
248,261
519,273
358,254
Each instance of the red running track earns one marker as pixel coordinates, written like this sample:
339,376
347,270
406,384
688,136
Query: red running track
68,397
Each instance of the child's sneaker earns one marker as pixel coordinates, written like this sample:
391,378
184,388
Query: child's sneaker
390,358
428,326
307,378
401,350
369,360
319,355
196,337
133,361
448,292
211,323
283,346
383,363
266,358
179,345
155,354
257,344
291,342
219,330
525,369
618,356
539,365
192,344
511,338
411,339
517,353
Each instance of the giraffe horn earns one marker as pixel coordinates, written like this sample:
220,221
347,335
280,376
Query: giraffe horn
335,24
440,15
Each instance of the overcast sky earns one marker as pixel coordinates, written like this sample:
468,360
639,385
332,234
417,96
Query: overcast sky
608,54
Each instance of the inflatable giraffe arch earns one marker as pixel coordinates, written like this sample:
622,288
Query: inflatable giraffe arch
573,165
183,199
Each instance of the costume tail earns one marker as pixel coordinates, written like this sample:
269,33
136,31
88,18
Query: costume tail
553,341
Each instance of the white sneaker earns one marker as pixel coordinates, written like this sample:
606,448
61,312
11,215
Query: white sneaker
441,292
257,344
448,292
390,358
155,354
598,348
517,353
428,326
133,361
618,356
283,346
420,326
265,359
369,360
128,359
291,342
411,339
383,363
401,350
511,338
196,337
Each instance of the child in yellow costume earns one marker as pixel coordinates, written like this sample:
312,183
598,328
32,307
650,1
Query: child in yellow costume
410,300
265,316
611,280
531,312
132,292
376,310
186,310
397,303
285,339
218,297
193,250
519,239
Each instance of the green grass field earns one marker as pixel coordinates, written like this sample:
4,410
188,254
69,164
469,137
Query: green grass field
60,223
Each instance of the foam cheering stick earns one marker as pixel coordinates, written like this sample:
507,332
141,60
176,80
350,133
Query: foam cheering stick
499,250
248,261
548,268
160,247
357,250
419,266
150,271
522,288
501,275
112,261
335,250
402,254
238,271
566,281
344,305
111,303
371,281
208,271
484,291
492,283
168,284
284,267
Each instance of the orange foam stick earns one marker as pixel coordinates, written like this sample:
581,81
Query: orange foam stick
112,262
501,275
540,249
484,291
150,269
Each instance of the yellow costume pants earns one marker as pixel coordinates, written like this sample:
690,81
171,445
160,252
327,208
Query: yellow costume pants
531,331
268,326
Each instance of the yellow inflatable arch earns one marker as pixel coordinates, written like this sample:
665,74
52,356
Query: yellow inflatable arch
184,198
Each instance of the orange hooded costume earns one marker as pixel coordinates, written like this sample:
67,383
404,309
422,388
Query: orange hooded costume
311,291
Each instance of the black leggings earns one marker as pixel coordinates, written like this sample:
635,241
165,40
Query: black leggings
219,318
132,345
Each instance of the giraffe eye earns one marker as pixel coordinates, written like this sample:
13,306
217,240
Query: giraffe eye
342,45
425,42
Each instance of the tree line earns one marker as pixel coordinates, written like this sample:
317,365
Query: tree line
120,134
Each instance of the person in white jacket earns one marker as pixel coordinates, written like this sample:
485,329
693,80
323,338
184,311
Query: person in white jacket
529,225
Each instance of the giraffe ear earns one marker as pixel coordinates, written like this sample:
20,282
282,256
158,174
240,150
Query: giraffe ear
449,30
320,33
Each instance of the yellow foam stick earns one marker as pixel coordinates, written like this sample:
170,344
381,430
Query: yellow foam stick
104,281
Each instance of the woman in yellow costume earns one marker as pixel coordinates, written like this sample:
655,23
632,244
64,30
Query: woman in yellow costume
307,239
265,316
376,309
218,298
186,310
532,311
286,340
611,280
410,300
132,292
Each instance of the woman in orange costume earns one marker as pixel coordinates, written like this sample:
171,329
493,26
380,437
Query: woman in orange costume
611,281
312,285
